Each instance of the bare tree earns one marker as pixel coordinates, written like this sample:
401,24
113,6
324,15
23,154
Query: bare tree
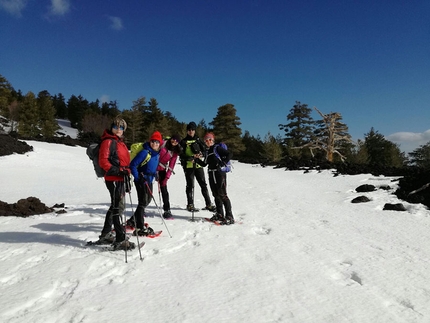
332,134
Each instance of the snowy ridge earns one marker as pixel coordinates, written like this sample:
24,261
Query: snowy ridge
304,252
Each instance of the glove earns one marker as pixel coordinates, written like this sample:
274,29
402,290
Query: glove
124,171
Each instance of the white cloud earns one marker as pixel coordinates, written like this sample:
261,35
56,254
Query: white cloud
116,23
14,7
410,141
59,7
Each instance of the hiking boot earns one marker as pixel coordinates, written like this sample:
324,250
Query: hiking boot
167,214
130,223
123,245
190,207
143,232
210,207
217,217
229,220
107,238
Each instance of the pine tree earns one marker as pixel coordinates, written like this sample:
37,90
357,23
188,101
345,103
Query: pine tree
299,130
420,157
60,106
28,116
382,152
272,148
5,96
254,150
226,128
76,107
47,123
136,121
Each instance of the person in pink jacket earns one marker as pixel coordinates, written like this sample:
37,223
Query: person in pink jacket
169,153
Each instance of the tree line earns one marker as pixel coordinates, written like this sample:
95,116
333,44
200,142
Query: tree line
305,142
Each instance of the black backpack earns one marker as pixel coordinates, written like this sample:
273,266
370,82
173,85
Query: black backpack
93,153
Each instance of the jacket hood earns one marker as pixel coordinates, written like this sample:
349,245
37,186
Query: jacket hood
109,135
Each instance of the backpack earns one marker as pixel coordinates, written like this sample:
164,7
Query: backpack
137,148
93,153
226,166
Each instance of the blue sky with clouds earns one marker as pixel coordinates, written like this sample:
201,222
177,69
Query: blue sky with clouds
368,60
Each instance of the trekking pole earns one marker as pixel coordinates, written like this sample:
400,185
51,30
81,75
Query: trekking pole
123,227
128,188
159,192
159,210
192,190
120,218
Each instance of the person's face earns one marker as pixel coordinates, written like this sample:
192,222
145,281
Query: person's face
118,130
155,144
174,142
209,142
191,132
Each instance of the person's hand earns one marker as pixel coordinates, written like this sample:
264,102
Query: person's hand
124,171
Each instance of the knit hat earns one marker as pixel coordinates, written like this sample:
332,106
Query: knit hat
192,126
209,135
156,136
176,137
119,122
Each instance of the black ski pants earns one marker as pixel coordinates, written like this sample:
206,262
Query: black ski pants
164,191
199,174
218,185
116,209
144,196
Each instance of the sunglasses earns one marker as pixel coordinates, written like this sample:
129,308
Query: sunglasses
116,127
209,139
155,142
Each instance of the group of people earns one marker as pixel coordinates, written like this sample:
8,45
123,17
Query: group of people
156,161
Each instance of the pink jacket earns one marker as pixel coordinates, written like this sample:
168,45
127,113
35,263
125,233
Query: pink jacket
167,161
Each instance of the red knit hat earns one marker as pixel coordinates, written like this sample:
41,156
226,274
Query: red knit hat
156,136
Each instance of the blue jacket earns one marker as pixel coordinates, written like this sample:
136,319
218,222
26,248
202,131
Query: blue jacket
147,171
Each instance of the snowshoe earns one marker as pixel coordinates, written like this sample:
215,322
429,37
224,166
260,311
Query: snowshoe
143,232
123,245
210,207
229,220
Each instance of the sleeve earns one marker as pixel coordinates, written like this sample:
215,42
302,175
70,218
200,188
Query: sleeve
104,158
134,165
171,167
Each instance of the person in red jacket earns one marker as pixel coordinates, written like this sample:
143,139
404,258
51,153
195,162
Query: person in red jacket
169,153
114,158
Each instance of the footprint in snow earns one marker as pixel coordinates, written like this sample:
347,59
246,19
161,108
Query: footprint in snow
262,231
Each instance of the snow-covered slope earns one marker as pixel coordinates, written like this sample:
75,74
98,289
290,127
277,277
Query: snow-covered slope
302,252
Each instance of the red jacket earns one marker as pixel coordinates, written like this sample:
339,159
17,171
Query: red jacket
118,161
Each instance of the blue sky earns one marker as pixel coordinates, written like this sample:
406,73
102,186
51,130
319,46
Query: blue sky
368,60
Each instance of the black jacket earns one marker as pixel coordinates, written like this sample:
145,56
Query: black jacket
212,161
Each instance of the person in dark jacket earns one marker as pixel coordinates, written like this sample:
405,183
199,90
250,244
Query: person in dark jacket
115,163
169,153
144,176
218,178
191,148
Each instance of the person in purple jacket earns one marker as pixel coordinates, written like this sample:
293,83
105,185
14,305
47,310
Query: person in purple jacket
169,153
